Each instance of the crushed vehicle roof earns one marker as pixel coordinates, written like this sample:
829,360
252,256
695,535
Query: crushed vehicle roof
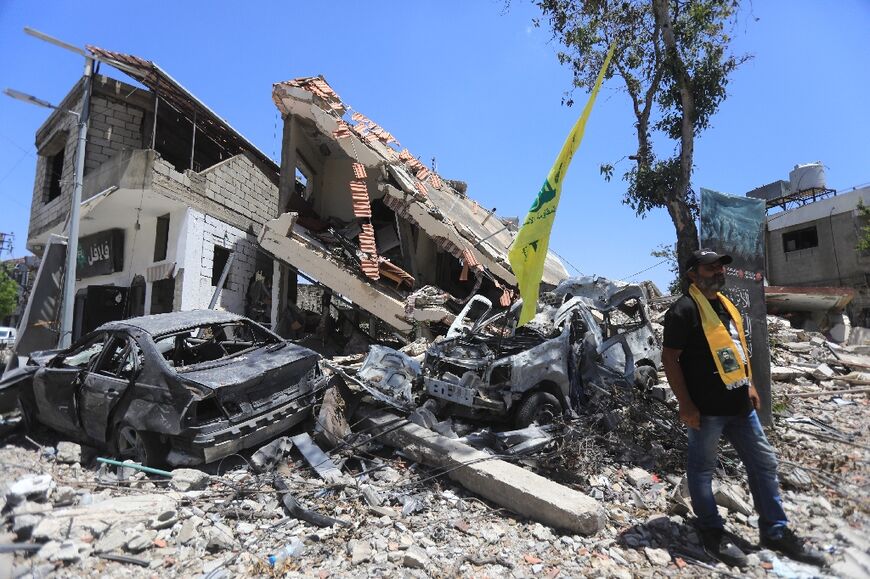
173,321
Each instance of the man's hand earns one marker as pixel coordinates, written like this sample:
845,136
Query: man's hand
754,398
690,415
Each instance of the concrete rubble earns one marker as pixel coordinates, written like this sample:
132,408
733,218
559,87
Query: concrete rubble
598,493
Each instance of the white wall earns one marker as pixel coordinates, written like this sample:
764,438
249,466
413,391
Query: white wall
138,243
202,233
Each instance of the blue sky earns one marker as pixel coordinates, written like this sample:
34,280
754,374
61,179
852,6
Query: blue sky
472,85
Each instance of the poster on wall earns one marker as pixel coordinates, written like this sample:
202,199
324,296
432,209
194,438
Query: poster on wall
735,225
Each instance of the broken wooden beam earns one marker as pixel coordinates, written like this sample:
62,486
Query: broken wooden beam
503,483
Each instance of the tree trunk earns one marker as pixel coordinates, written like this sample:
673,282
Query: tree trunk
677,201
687,233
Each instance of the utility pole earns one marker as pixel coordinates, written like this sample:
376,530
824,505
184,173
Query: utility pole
72,243
6,240
69,285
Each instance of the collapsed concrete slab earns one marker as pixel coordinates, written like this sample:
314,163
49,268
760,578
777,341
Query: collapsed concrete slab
305,254
374,224
97,518
508,485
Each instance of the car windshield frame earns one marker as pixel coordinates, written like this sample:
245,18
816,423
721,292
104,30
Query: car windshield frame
178,348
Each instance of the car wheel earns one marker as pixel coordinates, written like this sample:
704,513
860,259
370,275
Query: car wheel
28,414
538,407
645,377
131,444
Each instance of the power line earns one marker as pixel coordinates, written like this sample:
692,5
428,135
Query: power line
645,270
568,262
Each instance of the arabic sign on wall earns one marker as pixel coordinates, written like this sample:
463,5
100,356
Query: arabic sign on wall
735,225
100,254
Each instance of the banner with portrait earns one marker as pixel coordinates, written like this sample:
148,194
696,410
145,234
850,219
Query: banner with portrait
735,226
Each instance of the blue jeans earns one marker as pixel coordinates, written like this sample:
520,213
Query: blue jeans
747,437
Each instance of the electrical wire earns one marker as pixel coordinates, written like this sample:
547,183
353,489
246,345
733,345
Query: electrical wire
645,270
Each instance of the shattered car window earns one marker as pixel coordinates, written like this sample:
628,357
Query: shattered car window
211,342
120,359
471,316
81,355
626,318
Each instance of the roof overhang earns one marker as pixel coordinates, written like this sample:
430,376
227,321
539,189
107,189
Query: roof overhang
112,208
173,93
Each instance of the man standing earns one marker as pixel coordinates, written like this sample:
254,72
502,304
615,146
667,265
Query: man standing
707,366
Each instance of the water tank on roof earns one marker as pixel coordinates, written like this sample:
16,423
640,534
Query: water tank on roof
806,177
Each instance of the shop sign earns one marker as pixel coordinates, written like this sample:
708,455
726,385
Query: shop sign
100,254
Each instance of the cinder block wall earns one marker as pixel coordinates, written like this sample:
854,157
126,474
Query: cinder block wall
833,262
240,186
60,130
115,126
234,191
117,119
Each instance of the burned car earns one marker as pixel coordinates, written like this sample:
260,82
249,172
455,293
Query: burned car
587,331
180,388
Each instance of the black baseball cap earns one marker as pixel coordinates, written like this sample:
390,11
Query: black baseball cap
706,257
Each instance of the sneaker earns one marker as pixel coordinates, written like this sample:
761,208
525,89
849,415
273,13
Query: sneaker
719,545
794,547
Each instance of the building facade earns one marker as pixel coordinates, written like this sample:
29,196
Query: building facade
816,245
171,196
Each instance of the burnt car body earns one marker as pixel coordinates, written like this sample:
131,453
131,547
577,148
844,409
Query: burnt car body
587,331
180,388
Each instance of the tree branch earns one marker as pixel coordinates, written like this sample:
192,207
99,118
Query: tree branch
684,84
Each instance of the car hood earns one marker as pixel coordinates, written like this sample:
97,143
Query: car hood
14,376
41,357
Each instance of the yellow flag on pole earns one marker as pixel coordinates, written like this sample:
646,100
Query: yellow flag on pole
529,249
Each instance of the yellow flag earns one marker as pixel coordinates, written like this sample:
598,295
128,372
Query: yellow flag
529,248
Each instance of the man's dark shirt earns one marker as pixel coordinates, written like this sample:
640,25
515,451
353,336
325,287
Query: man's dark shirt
683,331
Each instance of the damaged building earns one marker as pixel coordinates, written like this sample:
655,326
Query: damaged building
363,216
171,195
174,199
814,266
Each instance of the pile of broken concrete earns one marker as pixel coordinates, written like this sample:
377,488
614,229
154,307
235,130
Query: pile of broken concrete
379,492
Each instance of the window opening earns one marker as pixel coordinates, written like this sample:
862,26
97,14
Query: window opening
161,240
800,239
119,361
54,172
221,256
82,354
212,342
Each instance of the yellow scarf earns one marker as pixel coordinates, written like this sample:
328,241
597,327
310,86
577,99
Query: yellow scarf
728,360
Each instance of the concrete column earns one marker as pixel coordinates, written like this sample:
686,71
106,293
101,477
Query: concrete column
289,143
503,483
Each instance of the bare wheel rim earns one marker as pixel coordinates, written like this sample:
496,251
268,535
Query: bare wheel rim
130,444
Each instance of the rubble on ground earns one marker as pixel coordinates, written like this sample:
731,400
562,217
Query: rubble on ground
284,510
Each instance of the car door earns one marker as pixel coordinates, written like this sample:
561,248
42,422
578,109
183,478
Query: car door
55,386
105,383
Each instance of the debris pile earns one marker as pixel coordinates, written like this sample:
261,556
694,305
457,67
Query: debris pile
401,490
